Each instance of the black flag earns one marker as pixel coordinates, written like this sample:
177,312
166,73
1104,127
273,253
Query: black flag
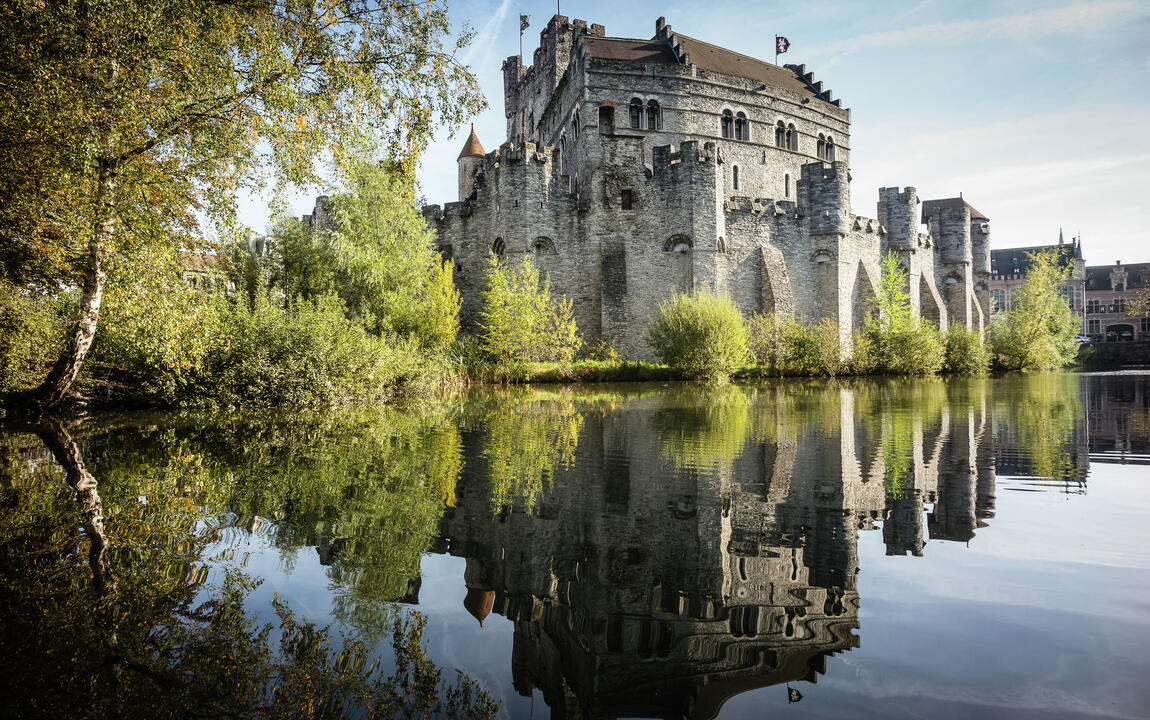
524,22
781,44
793,695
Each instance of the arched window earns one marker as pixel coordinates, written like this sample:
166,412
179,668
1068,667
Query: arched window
721,246
728,124
543,246
678,244
830,152
636,113
780,134
498,247
821,148
792,137
742,127
654,117
734,177
787,185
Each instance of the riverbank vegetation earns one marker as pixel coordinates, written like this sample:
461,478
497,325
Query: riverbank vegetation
179,107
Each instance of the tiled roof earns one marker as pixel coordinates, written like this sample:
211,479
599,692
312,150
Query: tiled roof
704,55
471,148
929,206
201,262
1137,276
1008,261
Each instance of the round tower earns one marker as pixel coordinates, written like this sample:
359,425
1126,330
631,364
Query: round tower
470,162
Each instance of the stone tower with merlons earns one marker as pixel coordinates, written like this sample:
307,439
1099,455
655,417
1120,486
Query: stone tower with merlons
634,169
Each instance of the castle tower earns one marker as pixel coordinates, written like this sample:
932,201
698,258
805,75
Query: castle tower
470,162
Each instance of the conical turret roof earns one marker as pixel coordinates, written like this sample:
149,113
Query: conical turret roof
471,148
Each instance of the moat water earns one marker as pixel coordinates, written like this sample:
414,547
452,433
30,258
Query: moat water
934,548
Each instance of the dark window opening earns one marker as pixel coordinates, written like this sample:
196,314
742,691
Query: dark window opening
780,134
606,121
742,127
625,199
727,124
734,177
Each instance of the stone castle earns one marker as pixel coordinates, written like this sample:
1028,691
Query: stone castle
635,169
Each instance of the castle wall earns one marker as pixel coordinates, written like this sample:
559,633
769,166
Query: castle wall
781,239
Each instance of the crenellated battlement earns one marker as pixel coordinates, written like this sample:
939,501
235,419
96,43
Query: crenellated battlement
816,87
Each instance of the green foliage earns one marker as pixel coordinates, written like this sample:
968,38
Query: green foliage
786,346
378,256
1038,333
698,432
127,124
966,352
520,322
700,334
529,435
32,327
894,341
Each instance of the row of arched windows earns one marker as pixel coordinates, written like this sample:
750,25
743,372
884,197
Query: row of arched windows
735,126
646,116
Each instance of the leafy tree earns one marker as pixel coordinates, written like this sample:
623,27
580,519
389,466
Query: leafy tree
700,333
120,118
894,340
521,322
1038,333
378,255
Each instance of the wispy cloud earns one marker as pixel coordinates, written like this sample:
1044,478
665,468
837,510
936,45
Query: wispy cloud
482,50
1081,18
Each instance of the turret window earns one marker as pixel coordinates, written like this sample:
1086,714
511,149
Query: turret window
727,124
734,177
780,134
654,116
792,137
821,147
742,127
636,113
786,185
830,149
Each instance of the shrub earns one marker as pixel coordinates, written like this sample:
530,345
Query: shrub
700,334
966,352
309,353
32,331
520,321
788,347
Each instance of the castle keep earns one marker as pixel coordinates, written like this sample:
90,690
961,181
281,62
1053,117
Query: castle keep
634,169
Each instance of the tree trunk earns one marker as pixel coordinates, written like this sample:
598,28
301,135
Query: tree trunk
52,391
68,454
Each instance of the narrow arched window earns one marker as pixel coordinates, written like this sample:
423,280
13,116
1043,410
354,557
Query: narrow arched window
821,148
830,149
498,247
742,127
728,124
734,177
780,134
792,137
787,185
636,113
654,117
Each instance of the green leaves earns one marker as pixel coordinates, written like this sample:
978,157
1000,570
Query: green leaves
1038,333
701,333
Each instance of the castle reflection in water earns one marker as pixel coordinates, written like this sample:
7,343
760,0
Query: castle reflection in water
681,556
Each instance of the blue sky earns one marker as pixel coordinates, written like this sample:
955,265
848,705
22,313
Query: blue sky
1037,112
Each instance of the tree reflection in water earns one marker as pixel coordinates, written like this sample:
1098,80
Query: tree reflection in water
658,550
131,628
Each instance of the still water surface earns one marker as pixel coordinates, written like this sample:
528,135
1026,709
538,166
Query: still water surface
966,548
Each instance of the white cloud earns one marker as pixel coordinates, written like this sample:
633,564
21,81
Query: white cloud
1082,18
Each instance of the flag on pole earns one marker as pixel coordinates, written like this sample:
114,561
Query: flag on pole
524,22
793,696
781,44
